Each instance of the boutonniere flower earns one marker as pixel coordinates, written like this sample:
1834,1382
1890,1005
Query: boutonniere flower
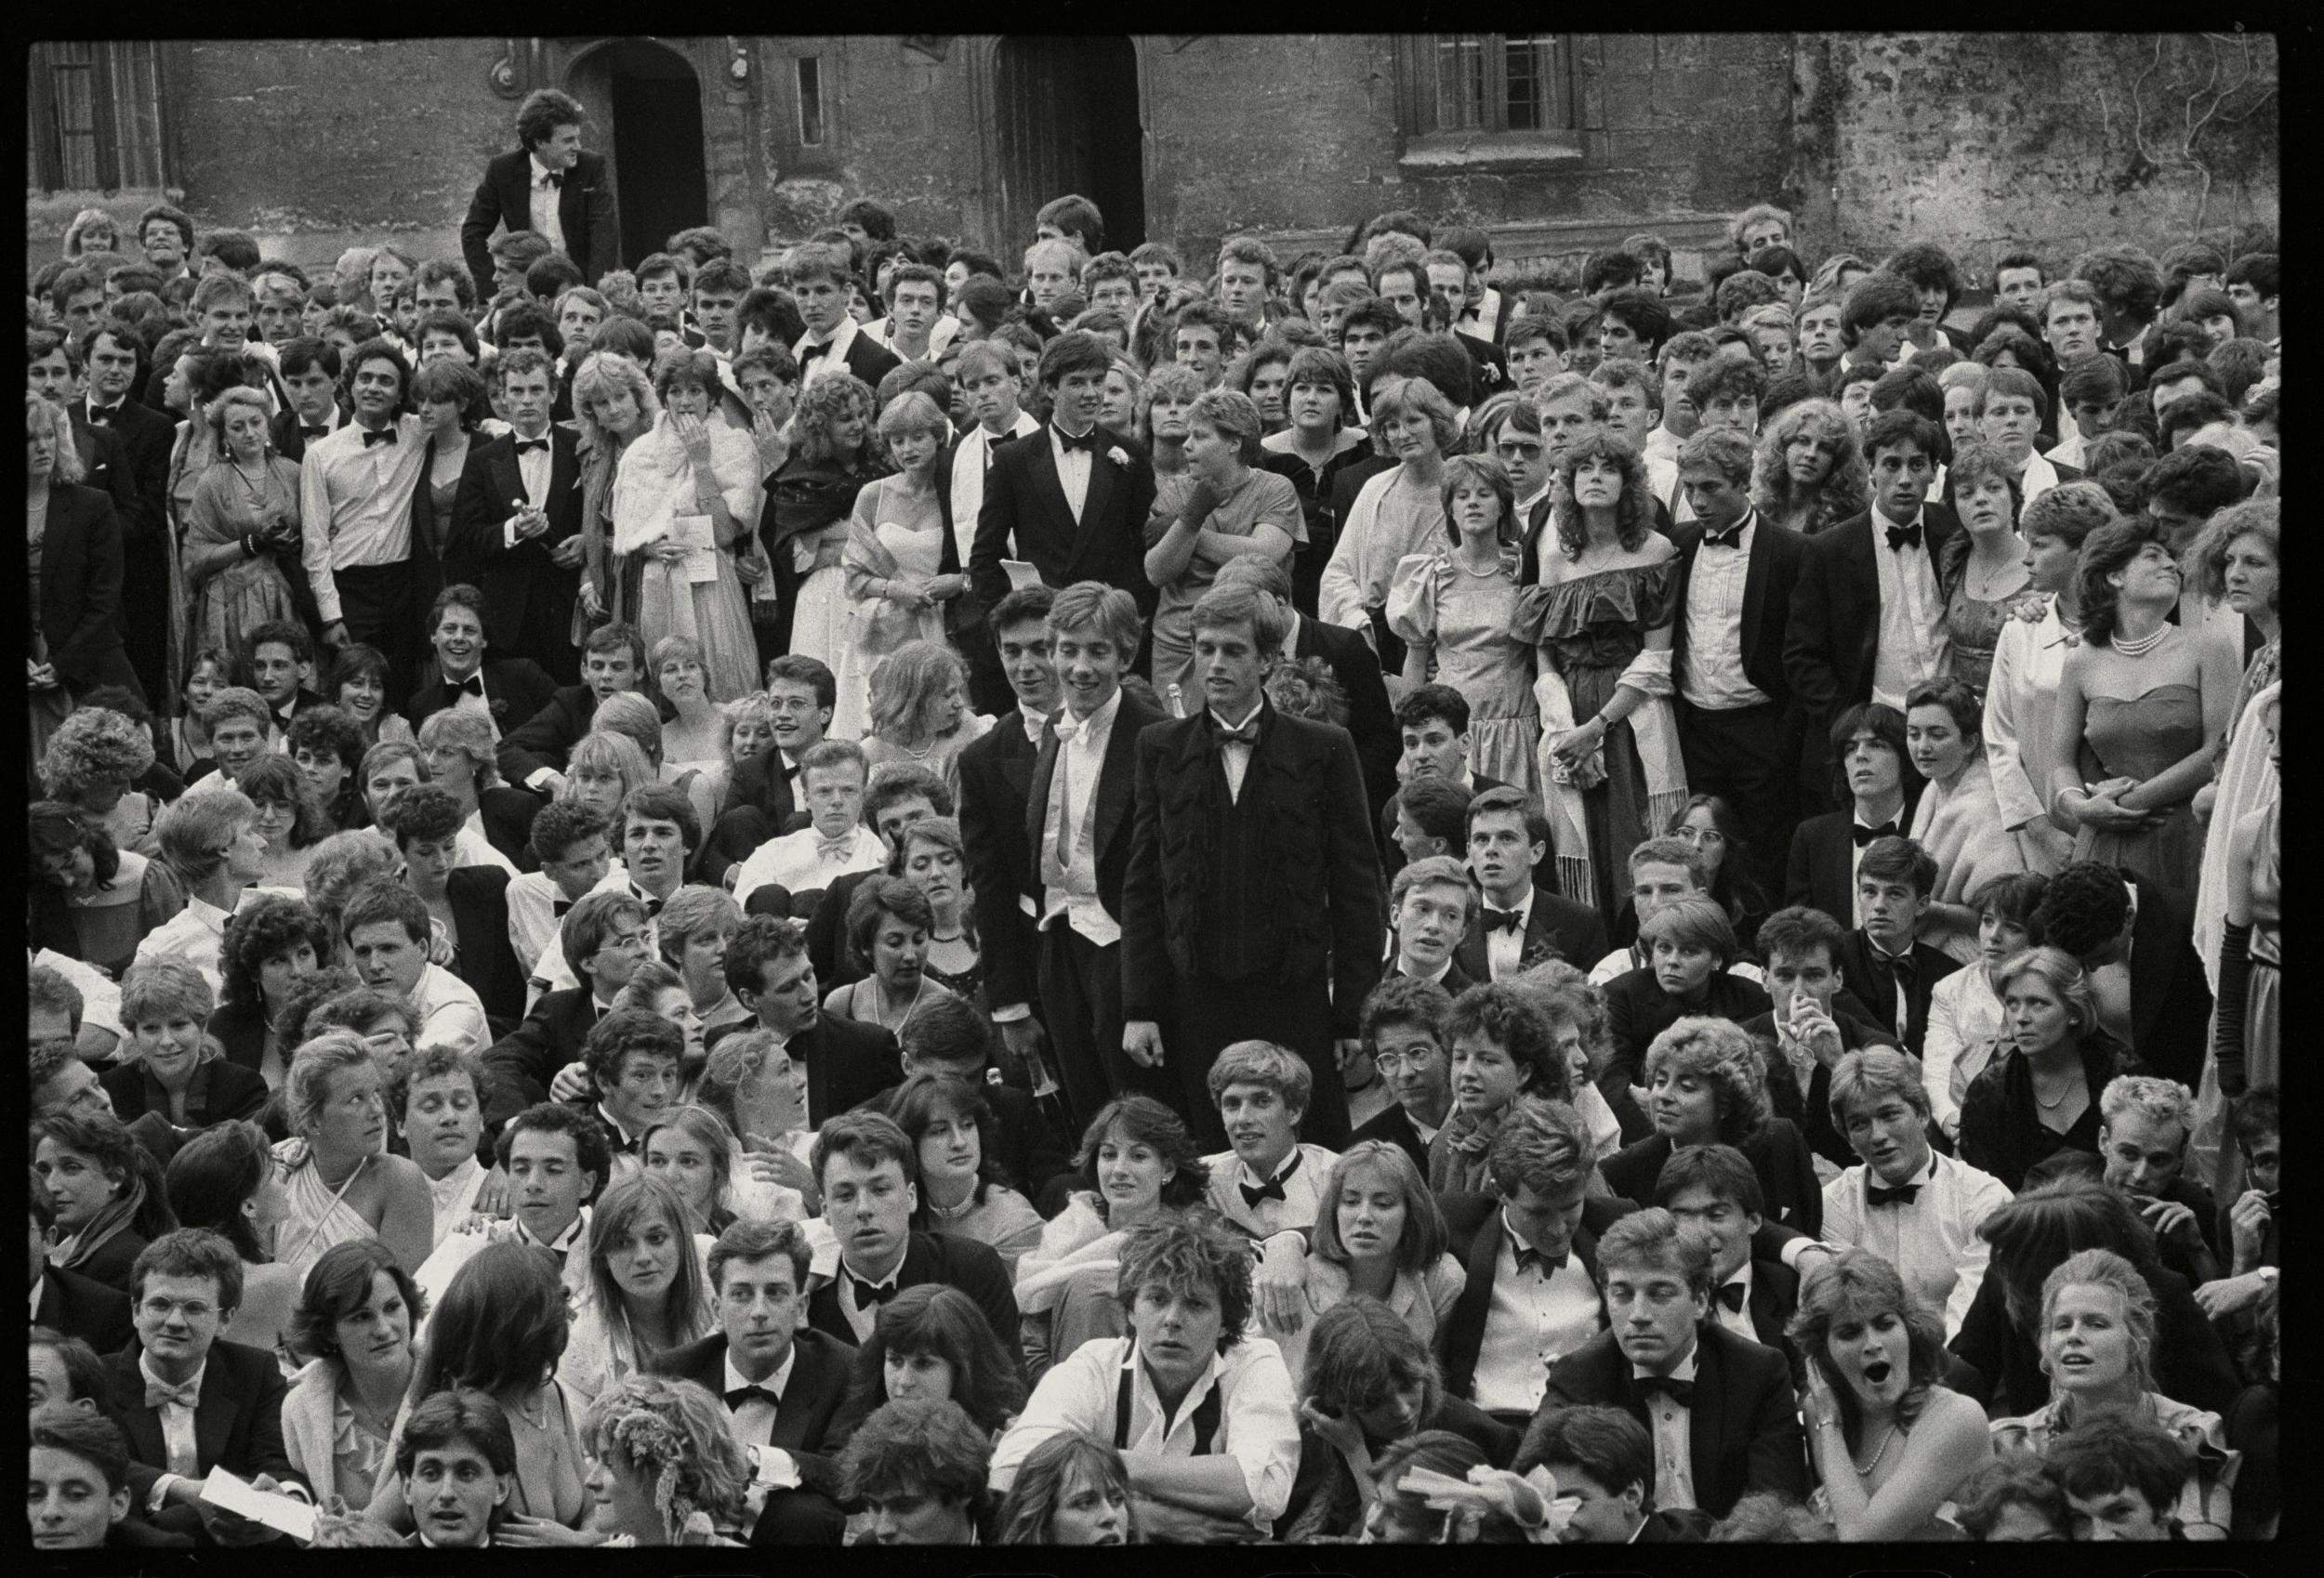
1118,455
499,707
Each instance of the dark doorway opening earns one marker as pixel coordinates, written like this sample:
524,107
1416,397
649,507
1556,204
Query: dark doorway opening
646,95
1068,119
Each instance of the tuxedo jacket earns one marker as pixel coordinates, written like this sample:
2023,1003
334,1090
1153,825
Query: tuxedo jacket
1743,1424
1310,912
290,439
1820,872
1779,1156
543,740
105,467
2171,1001
1810,1112
144,439
1868,981
1394,1125
1025,505
1116,781
846,1065
1775,1299
80,589
519,682
996,783
964,616
84,1307
975,1269
1638,1010
811,1403
827,949
1767,584
479,897
865,358
522,1063
1832,635
512,578
585,212
1555,928
220,1090
1371,720
1475,1233
237,1421
762,783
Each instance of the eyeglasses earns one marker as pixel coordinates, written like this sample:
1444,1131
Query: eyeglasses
191,1309
1391,1062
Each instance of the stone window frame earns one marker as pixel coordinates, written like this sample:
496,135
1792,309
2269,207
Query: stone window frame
98,110
1428,148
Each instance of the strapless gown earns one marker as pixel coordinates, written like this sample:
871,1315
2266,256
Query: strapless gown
2139,739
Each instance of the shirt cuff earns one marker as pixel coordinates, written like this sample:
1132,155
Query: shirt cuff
328,608
158,1498
508,533
1011,1014
776,1467
539,778
1795,1248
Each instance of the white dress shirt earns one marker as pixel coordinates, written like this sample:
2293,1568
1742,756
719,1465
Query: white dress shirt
1672,1423
1505,949
454,1195
1710,669
546,193
1736,1321
1258,1417
862,1316
1073,469
534,466
1302,1174
178,1435
1235,756
450,1012
805,861
193,934
752,1421
436,1272
1914,643
1533,1321
1069,871
819,357
970,462
534,921
355,505
1931,1240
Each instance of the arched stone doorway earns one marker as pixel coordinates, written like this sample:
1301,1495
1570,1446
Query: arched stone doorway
644,101
1066,112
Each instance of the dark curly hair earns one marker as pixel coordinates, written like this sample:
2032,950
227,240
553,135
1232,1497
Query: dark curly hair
1182,1256
1508,1015
266,927
2105,551
1633,512
940,1321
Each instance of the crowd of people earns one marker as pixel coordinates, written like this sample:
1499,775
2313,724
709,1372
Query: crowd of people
1148,898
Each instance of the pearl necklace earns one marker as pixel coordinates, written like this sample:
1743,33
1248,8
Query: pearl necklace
1886,1442
2144,644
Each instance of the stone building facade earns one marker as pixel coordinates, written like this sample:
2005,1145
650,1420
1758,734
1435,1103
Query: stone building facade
1557,142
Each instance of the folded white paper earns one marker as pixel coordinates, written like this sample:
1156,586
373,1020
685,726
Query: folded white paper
286,1514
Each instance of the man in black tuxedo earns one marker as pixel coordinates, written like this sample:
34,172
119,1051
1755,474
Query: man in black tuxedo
1737,728
1075,827
425,822
863,1165
1867,620
1886,969
847,1063
1682,1375
763,795
1530,1249
1813,1023
986,375
68,1302
613,659
782,1382
2134,936
1071,501
517,521
510,690
53,366
823,277
1714,1194
547,186
110,354
996,785
1251,907
1403,1035
1371,719
1520,923
190,1401
603,940
311,375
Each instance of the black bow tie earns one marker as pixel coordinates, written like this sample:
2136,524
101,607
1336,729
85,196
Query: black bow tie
554,177
102,413
1903,966
1730,537
866,1294
1643,1386
525,444
1904,537
557,908
1548,1265
1733,1296
1864,835
653,905
741,1395
1086,441
1246,735
472,686
1903,1195
1504,920
812,351
319,431
384,436
1271,1189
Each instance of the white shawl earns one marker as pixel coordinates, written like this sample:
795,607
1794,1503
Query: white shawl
655,483
1961,828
